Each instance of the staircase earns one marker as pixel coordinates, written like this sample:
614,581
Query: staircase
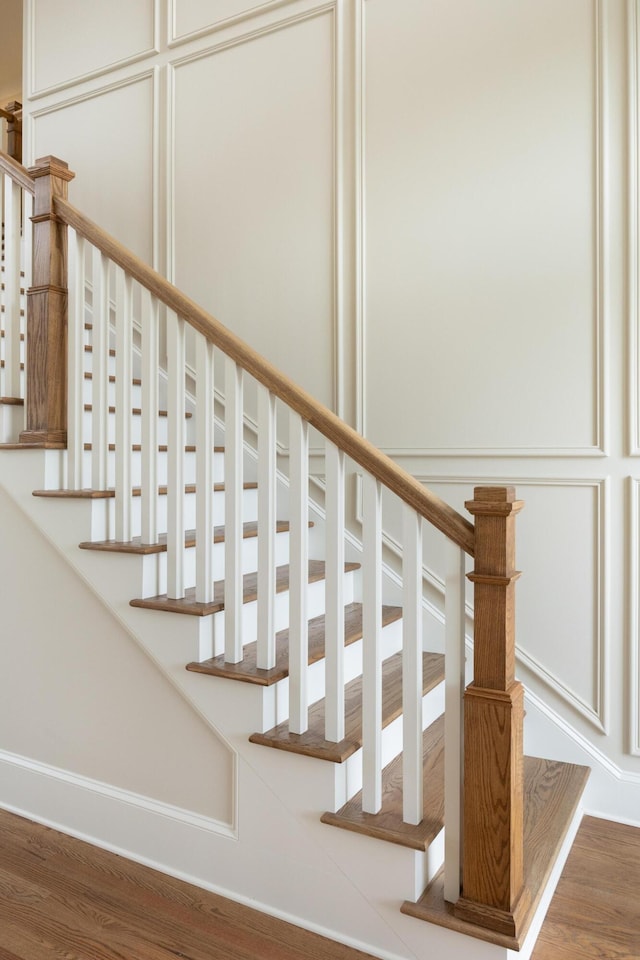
248,587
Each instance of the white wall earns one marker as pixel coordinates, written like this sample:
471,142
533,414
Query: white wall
78,695
418,209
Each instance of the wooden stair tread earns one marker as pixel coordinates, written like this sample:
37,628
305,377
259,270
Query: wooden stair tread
136,546
552,792
87,493
313,744
136,411
89,349
135,381
12,401
388,823
248,671
190,606
162,448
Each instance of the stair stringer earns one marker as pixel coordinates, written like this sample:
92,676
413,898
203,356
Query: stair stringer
324,879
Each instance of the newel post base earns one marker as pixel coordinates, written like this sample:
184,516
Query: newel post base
46,368
493,892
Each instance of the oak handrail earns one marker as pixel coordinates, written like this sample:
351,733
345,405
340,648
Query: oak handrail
427,504
7,116
17,172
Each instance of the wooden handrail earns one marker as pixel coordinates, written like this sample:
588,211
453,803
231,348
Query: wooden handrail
430,506
17,172
7,116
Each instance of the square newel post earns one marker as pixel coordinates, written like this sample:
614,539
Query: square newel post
493,893
46,369
14,130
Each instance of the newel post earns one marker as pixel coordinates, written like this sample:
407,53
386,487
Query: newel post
14,130
46,391
493,893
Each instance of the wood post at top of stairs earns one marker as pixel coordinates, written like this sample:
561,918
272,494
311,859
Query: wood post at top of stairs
14,130
46,387
493,893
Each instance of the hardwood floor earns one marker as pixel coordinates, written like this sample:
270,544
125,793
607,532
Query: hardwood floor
60,897
595,912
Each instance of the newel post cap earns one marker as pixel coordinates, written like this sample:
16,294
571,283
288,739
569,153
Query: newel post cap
51,167
494,501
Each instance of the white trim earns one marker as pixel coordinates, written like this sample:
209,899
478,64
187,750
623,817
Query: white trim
30,38
118,794
174,39
600,263
634,618
633,211
598,757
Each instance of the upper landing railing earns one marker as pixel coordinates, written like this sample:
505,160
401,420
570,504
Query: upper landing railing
72,254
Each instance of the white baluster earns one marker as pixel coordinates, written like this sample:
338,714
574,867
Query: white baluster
175,454
124,338
372,645
334,586
149,426
100,372
204,469
412,800
233,583
11,279
298,573
453,729
26,259
266,648
75,377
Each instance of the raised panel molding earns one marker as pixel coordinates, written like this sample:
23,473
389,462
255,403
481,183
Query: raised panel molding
600,254
34,93
634,618
152,75
596,712
325,9
245,11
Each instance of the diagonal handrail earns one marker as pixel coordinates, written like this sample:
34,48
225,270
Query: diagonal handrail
16,171
439,513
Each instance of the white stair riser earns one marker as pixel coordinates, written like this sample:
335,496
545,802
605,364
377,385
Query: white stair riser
136,428
136,393
189,472
156,581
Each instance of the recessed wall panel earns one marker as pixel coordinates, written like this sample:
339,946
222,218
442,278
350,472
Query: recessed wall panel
114,174
481,305
253,203
198,16
72,39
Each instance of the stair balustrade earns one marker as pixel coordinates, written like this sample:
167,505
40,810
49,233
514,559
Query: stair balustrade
128,306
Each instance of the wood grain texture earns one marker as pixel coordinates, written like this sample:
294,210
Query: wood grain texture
17,172
553,791
249,672
430,506
596,907
191,607
313,743
136,546
89,493
388,823
61,897
46,364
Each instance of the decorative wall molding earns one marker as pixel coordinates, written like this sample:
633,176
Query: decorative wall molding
600,259
152,74
250,11
338,94
30,37
634,618
597,713
147,805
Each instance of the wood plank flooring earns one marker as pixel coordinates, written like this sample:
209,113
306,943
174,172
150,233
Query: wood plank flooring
60,897
595,912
